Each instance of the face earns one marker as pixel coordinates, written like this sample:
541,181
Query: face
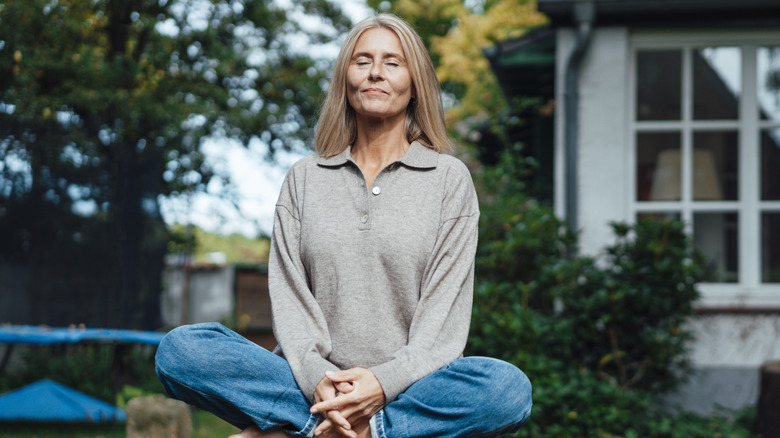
378,80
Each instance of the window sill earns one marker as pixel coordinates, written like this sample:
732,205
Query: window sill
735,298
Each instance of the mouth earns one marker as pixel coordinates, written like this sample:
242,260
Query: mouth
374,91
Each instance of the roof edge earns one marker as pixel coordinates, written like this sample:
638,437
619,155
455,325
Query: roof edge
696,13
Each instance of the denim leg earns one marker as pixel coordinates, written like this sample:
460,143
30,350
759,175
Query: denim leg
211,367
470,397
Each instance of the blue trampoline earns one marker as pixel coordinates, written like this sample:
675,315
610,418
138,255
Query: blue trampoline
29,334
46,400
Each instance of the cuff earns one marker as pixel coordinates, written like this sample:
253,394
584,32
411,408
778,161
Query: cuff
393,378
312,375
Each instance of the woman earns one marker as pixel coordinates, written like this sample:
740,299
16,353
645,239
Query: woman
370,275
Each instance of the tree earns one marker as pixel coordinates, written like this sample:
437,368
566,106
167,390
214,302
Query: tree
103,107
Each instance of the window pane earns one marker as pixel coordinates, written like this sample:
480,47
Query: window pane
717,83
770,247
658,166
768,82
658,215
715,166
715,235
658,82
770,164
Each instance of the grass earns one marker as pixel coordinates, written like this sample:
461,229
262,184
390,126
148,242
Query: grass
205,425
236,247
209,426
45,430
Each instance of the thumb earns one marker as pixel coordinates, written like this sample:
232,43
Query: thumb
343,387
342,376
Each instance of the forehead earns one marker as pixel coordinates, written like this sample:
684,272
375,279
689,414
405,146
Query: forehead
379,40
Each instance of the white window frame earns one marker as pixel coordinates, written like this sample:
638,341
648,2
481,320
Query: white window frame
748,292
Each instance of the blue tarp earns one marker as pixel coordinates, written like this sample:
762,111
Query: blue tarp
46,400
28,334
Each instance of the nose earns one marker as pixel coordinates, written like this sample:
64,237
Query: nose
376,71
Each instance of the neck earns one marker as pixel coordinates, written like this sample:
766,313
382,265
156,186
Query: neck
377,145
380,140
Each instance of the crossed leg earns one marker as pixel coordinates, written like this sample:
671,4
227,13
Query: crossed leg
218,370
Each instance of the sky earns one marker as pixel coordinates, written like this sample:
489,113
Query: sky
256,181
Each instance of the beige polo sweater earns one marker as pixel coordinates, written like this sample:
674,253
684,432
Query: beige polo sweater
378,277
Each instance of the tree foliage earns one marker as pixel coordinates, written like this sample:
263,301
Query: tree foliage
104,105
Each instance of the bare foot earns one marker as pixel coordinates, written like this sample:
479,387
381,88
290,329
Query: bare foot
255,432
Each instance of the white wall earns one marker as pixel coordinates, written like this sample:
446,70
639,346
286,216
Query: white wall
727,353
728,340
603,125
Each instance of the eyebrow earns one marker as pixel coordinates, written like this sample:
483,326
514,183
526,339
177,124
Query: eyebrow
384,56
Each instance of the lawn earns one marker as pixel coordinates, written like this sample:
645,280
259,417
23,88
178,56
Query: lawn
205,425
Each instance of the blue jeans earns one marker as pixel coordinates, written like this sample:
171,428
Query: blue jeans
211,367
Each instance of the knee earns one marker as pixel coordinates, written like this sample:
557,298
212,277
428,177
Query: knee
506,392
183,346
517,395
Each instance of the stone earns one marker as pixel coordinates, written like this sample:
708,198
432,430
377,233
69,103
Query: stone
157,416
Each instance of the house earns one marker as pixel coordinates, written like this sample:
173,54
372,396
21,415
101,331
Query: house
672,108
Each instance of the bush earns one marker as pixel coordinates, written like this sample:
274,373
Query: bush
625,317
88,368
599,337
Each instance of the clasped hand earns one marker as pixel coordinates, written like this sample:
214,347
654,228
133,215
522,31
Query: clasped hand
347,399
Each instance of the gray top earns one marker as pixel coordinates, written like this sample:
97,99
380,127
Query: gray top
377,277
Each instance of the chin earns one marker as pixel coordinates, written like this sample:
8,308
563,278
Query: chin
378,113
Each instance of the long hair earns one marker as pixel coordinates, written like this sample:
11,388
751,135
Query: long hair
337,125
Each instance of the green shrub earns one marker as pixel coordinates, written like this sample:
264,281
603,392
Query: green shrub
598,337
88,368
625,315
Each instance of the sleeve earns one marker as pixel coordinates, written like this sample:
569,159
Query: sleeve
441,321
299,325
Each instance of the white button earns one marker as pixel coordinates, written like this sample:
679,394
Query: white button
364,219
376,190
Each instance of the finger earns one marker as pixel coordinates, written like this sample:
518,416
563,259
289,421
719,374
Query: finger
337,419
336,431
325,390
326,426
343,375
330,404
340,431
322,406
322,427
346,407
344,387
334,404
347,433
334,422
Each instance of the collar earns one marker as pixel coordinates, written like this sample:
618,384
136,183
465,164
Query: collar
417,156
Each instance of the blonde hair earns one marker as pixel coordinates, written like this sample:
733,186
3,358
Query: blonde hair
337,126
